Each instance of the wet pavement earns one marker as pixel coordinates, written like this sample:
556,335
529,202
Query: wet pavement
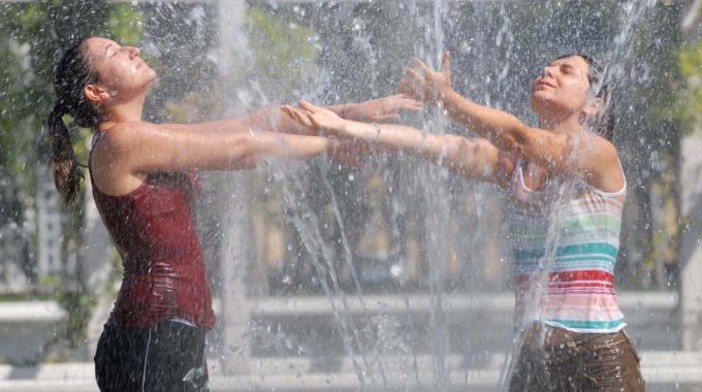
664,371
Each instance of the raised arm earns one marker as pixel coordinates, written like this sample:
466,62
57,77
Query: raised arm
471,158
583,153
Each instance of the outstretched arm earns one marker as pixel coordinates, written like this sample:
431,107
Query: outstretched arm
385,109
583,153
470,158
145,147
271,119
125,153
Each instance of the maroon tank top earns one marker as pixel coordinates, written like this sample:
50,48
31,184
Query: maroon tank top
164,270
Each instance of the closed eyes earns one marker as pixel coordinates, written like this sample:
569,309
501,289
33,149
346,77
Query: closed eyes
111,51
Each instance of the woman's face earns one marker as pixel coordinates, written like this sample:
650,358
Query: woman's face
562,88
122,72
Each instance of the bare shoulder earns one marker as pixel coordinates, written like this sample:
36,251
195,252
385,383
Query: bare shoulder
123,140
595,149
110,167
600,160
125,135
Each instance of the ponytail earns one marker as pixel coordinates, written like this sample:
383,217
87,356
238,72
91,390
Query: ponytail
73,73
65,167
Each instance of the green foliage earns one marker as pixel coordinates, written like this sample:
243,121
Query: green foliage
283,57
125,24
15,77
79,307
32,35
282,50
690,98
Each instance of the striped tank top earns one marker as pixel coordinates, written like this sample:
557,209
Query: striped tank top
565,241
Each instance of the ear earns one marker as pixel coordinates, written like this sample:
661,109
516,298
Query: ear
96,94
593,107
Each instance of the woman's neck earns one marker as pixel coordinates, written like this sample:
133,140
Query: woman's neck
128,111
569,124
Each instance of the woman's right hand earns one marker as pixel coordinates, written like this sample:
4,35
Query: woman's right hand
316,118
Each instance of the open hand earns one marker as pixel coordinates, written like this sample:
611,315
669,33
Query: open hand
315,118
425,84
385,109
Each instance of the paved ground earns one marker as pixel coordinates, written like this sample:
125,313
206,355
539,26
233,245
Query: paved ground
650,315
664,371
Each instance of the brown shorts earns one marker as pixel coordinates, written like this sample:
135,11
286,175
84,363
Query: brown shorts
555,359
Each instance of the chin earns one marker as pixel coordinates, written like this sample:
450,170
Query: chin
542,106
154,82
152,79
538,101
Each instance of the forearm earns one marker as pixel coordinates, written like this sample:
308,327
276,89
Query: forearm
470,158
260,146
160,147
273,145
503,129
267,119
390,137
270,120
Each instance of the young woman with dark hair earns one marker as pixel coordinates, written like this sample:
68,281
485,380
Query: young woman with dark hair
140,173
566,188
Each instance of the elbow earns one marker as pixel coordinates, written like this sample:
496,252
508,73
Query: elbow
452,149
458,150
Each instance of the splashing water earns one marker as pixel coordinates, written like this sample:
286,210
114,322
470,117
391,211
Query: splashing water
490,55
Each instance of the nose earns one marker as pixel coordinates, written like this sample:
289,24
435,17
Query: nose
134,52
547,71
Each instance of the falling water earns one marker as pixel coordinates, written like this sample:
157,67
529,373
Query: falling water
489,56
422,306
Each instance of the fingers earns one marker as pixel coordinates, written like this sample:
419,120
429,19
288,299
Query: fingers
411,85
446,63
307,106
393,117
314,121
297,115
446,60
401,101
421,65
399,96
405,89
289,111
413,104
413,75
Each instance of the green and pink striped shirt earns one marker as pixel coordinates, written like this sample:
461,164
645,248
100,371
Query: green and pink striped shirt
565,241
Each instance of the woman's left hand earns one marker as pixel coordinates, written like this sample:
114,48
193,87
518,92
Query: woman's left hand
386,109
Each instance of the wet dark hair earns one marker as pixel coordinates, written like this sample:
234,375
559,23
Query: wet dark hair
601,123
73,72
